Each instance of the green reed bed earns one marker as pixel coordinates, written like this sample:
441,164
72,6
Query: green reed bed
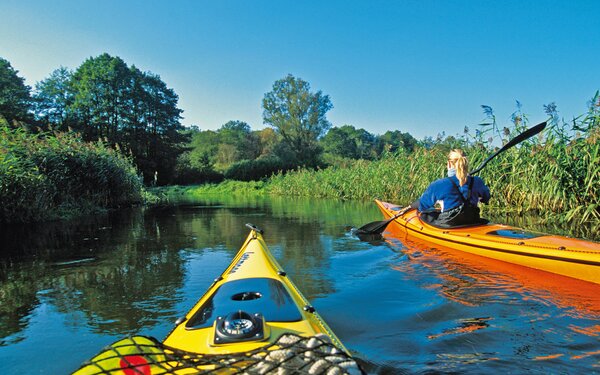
56,175
556,175
394,177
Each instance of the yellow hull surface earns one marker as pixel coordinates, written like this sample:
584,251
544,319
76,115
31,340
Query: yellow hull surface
252,319
255,285
571,257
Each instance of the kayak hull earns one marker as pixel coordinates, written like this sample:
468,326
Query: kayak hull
252,319
254,283
566,256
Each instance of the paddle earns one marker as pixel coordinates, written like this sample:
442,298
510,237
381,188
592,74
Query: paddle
518,139
377,227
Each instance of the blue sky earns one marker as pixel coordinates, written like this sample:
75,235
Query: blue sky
421,67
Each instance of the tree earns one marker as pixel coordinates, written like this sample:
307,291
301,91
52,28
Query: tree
204,145
100,86
226,155
125,106
159,125
15,97
245,144
338,142
267,139
298,115
52,98
349,142
392,141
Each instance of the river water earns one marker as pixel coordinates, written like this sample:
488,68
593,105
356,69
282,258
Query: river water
69,289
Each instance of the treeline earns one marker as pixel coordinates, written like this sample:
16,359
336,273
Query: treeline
237,152
131,118
555,175
299,136
82,141
105,99
112,108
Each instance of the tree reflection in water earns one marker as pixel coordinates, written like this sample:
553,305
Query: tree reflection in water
121,273
87,283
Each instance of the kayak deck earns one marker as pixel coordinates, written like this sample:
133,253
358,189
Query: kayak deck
254,283
252,319
557,254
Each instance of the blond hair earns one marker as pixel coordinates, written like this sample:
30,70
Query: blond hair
458,161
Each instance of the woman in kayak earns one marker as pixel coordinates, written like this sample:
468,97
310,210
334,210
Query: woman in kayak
457,196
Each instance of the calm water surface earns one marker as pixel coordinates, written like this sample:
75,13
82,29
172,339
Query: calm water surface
69,289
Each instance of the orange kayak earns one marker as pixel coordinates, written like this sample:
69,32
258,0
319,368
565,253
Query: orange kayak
571,257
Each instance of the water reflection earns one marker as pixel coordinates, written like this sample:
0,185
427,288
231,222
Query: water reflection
399,305
17,300
473,280
119,287
533,315
124,272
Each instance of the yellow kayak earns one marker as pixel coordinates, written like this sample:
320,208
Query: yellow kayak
252,319
566,256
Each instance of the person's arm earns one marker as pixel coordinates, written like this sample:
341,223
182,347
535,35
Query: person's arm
427,200
415,204
483,191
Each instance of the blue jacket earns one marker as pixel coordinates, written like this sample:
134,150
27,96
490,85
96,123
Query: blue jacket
444,190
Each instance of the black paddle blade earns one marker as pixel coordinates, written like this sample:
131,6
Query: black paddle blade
376,227
525,135
518,139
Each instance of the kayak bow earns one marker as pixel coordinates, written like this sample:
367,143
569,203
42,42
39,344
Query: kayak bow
571,257
252,319
251,304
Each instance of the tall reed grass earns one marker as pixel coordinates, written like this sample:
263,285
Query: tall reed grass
555,175
51,175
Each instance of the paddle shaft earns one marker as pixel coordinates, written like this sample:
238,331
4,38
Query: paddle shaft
377,227
518,139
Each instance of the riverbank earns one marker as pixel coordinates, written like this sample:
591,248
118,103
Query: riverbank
554,176
47,176
556,179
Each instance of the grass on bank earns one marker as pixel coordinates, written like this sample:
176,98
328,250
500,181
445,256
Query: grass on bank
167,194
556,178
555,175
49,176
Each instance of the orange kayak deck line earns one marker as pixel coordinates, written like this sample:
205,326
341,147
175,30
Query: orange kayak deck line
566,256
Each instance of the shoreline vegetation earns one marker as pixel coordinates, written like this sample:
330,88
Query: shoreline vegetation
108,135
50,176
554,176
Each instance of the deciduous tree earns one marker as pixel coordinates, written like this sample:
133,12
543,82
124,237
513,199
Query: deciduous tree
349,142
52,99
131,108
15,97
299,116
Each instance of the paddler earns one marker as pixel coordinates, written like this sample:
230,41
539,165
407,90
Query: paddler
457,196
